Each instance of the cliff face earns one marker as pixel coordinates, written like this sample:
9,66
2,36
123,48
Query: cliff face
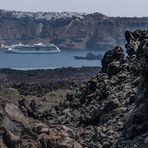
67,30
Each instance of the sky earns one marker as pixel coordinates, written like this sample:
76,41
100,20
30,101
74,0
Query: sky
128,8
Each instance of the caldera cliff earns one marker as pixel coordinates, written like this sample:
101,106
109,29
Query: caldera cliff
67,30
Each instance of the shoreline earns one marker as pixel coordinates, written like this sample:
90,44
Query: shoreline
47,68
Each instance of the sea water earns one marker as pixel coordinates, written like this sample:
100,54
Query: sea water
44,61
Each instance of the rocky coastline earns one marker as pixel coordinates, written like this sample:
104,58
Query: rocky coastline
107,111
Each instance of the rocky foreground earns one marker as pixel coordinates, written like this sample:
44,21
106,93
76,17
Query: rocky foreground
108,111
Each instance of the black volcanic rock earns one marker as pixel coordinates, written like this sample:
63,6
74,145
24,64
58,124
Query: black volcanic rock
138,122
112,60
108,111
109,104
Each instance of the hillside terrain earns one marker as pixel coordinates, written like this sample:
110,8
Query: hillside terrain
108,111
67,30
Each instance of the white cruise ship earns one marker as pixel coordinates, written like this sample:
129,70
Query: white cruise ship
33,49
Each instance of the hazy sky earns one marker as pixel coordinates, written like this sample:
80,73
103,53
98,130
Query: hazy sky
108,7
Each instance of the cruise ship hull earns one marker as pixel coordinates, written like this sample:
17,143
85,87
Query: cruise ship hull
30,52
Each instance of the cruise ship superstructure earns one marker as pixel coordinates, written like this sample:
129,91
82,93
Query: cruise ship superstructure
33,49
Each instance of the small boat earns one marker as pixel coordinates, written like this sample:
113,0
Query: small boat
33,49
90,56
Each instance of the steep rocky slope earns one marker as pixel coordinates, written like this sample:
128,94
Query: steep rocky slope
67,30
108,111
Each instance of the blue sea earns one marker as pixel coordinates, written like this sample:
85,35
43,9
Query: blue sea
45,61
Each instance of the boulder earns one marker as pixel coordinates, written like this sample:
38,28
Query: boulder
15,114
56,138
113,68
116,55
10,139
